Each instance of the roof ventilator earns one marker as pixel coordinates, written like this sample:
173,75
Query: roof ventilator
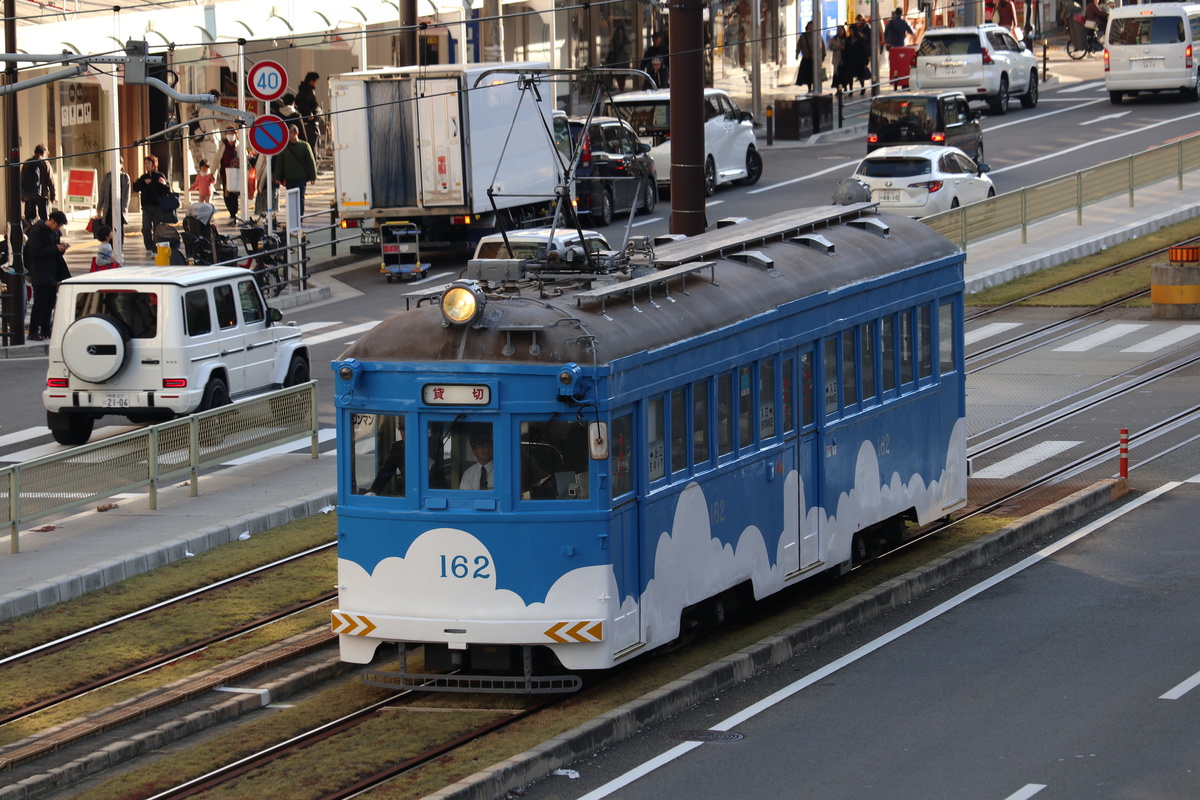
728,221
756,257
816,241
874,225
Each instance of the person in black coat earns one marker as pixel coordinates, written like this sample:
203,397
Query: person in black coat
310,109
37,185
152,186
47,268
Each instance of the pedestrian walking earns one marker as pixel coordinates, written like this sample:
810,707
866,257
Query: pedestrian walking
289,113
104,208
810,58
203,184
618,53
897,30
837,48
37,185
47,268
310,109
660,78
231,179
152,186
657,49
296,166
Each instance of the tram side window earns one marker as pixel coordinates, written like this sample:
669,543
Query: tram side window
789,421
679,430
766,399
460,456
621,444
887,351
554,460
946,338
807,388
724,414
655,435
867,331
906,348
745,407
849,376
700,422
831,385
924,341
378,466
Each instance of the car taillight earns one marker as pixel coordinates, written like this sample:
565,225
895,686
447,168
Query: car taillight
349,223
872,138
56,383
1106,56
938,137
174,383
931,186
585,156
1187,57
462,219
987,57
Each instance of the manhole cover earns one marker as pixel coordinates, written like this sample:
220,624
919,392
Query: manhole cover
707,736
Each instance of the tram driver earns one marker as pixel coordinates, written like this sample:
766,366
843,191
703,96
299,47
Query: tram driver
480,477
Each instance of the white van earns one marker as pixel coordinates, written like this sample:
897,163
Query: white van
1151,48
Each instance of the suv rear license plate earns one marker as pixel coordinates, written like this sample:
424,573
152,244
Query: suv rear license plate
947,70
889,195
115,400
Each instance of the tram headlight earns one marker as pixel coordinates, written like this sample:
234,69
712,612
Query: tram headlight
462,303
569,377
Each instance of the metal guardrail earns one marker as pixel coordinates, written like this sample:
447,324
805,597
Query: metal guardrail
1018,210
146,457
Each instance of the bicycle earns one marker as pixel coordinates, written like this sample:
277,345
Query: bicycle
1091,44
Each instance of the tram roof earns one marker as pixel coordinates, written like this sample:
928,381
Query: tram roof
714,280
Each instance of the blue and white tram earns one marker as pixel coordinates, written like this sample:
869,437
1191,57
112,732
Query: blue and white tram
566,457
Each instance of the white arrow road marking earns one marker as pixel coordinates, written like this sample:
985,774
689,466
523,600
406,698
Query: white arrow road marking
1117,115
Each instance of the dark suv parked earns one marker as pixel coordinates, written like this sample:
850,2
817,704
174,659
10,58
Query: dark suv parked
939,118
611,162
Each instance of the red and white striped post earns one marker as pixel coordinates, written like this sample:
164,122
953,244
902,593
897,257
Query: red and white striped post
1124,452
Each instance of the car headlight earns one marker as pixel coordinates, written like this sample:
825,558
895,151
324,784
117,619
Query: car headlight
462,303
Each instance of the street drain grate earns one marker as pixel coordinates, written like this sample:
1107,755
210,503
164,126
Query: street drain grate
707,736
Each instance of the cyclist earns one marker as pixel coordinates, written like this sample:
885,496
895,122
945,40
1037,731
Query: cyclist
1095,19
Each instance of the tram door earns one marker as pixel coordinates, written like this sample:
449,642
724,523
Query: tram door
809,464
624,536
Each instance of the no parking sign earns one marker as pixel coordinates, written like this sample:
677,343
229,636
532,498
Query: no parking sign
268,135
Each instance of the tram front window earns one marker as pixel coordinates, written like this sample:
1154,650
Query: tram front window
554,460
460,456
378,465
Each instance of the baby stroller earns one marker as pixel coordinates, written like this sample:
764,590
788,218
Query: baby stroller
201,242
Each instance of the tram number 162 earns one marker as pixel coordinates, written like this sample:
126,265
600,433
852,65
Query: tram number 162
460,567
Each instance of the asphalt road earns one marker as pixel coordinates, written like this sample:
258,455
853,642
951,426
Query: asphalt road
1066,673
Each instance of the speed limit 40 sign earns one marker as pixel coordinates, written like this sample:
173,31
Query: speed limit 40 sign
266,80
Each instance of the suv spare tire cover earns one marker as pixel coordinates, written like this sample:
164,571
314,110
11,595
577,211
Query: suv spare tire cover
95,347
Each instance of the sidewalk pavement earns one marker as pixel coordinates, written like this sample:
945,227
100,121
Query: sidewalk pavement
88,549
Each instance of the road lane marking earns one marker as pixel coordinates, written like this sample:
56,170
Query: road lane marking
1117,115
988,331
1025,459
314,326
53,447
1165,340
1082,87
23,436
323,435
647,222
1182,689
876,644
1100,337
1027,791
353,330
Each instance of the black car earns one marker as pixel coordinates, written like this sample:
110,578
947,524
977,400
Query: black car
942,118
615,171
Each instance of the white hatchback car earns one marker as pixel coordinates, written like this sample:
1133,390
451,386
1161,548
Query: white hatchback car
730,146
919,180
984,63
151,343
528,242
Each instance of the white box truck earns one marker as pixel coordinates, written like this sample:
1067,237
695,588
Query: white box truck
425,145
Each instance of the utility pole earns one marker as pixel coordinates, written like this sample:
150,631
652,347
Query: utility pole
687,114
12,323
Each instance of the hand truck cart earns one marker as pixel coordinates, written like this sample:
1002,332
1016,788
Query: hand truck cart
400,244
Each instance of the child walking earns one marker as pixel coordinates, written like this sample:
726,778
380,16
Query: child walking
204,183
